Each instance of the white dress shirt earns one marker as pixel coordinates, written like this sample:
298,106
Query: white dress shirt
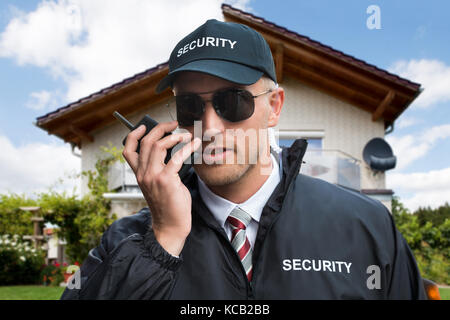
221,208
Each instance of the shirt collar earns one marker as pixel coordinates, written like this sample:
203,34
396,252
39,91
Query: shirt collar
221,207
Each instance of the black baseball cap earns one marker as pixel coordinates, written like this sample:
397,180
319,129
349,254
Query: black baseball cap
232,51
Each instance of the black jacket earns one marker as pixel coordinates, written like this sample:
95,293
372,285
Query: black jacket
315,241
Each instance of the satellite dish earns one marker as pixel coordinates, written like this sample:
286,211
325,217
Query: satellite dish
378,155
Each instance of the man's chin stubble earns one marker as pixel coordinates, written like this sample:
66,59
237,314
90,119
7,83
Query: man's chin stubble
215,175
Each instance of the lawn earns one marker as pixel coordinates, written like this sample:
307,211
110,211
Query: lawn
30,293
53,293
445,293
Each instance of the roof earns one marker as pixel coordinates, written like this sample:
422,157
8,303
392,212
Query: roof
241,16
383,94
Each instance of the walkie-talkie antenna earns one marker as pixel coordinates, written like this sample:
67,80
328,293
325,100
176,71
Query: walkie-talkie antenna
122,119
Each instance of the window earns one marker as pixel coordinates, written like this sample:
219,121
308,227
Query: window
313,143
314,138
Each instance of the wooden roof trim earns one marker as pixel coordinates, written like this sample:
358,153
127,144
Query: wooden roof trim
80,133
278,60
378,113
331,87
335,68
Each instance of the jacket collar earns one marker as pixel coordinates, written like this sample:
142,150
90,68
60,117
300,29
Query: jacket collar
291,160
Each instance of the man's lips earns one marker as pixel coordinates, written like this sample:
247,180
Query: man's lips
216,153
216,150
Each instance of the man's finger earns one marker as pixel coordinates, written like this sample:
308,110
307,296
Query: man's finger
129,150
176,162
160,149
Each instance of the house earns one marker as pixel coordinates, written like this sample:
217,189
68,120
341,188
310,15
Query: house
336,101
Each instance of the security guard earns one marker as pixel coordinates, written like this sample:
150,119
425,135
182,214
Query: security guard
244,224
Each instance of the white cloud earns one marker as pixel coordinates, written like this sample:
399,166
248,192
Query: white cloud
419,189
411,147
35,167
436,133
42,100
406,122
427,188
92,44
433,75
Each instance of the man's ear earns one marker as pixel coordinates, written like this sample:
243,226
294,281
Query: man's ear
276,101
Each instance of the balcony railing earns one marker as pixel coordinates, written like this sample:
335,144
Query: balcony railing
333,166
121,178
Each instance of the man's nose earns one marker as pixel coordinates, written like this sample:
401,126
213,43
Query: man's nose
212,124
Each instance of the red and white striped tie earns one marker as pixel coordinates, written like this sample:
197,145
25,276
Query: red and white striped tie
239,220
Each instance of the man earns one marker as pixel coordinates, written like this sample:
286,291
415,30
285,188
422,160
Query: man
244,224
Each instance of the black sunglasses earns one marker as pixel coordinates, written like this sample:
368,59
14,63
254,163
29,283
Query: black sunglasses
231,104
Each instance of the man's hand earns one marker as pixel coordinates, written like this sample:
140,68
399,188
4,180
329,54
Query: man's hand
167,197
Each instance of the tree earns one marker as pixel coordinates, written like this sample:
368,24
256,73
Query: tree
427,233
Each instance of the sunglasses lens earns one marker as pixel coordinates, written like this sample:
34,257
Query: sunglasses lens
234,104
190,108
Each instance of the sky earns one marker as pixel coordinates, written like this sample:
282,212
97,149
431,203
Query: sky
53,52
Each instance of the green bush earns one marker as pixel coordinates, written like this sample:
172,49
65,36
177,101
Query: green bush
436,216
427,233
433,265
19,262
12,219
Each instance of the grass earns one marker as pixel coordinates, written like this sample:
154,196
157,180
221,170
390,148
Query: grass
54,293
445,293
30,293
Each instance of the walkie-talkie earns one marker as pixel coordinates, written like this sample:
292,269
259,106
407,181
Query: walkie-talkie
149,124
